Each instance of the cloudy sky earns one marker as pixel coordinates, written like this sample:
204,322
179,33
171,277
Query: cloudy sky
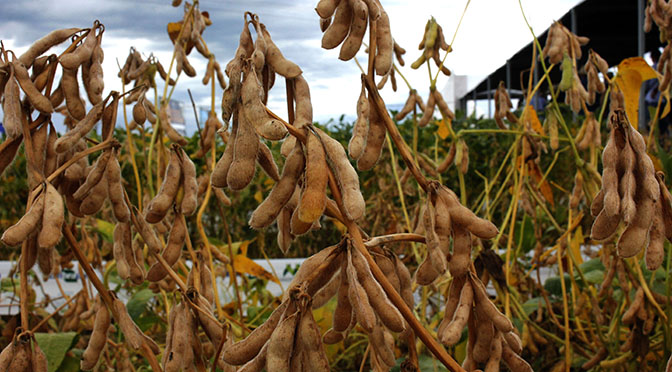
492,30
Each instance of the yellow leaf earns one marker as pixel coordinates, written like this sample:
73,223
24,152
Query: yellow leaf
543,186
631,73
243,247
666,109
575,245
258,196
247,266
657,164
530,117
442,130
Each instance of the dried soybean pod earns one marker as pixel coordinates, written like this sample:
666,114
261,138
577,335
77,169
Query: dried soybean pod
139,112
460,261
265,160
219,174
311,264
666,201
360,128
428,111
636,235
276,60
96,82
387,312
326,8
514,342
7,355
253,108
285,236
94,200
164,118
169,335
243,351
115,190
310,342
213,329
380,347
494,354
159,206
384,44
408,107
97,340
53,216
485,337
326,293
463,216
340,26
303,115
70,89
628,184
448,161
11,108
450,335
123,268
148,235
281,343
173,250
375,139
45,43
514,361
22,354
20,231
343,312
39,101
94,176
629,315
655,250
257,363
8,152
179,347
81,54
39,360
189,184
71,137
647,173
126,324
353,41
358,297
245,151
501,322
348,179
314,195
269,209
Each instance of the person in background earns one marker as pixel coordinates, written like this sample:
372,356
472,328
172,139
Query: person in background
651,98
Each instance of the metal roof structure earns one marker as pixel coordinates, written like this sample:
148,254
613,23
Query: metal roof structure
615,29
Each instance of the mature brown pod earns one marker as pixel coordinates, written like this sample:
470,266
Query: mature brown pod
387,312
158,207
314,195
246,144
53,217
173,250
254,110
276,60
451,333
37,99
340,25
375,139
98,338
11,107
20,231
189,185
281,342
116,190
43,44
270,208
243,351
346,176
81,129
219,174
360,128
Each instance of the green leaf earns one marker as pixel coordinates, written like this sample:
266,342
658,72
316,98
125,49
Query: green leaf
70,364
590,265
531,305
554,286
137,304
106,229
54,346
595,276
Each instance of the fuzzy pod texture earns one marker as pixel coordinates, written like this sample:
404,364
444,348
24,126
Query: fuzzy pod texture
245,147
243,351
53,216
115,190
314,194
360,127
346,176
159,206
43,44
270,208
451,333
20,231
189,185
81,129
97,340
375,139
